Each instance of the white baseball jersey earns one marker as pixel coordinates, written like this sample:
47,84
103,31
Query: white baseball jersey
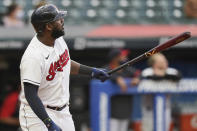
49,68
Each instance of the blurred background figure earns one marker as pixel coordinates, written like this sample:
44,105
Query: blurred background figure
191,8
9,108
157,71
121,105
14,16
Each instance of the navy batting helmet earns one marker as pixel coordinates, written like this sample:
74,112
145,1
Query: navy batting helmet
47,13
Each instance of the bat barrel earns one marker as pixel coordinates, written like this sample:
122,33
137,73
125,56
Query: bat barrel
173,41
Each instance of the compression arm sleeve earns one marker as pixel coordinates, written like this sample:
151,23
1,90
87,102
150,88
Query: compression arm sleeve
77,68
85,70
34,101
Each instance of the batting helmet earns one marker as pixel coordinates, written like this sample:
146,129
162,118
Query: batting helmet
46,13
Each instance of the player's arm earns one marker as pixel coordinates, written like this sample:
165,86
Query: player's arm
31,78
37,106
77,68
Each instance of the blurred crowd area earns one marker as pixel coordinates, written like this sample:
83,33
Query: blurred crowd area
96,51
98,12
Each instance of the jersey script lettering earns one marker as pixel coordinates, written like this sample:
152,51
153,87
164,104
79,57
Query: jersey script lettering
58,65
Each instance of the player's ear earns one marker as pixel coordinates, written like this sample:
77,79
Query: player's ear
49,27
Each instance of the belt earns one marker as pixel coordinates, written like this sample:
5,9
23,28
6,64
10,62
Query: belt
57,108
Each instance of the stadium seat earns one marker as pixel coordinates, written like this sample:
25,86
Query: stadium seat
114,11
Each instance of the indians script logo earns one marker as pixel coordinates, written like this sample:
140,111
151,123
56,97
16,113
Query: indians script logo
58,65
150,53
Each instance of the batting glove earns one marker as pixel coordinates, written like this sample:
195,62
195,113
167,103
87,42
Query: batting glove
99,74
51,125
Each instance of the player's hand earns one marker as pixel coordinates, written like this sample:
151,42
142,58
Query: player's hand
135,81
54,127
121,82
100,74
51,125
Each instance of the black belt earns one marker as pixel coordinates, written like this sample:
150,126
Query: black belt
57,108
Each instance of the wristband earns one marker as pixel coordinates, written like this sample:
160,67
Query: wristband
47,122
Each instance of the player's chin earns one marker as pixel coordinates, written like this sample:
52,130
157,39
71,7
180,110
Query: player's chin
57,33
62,31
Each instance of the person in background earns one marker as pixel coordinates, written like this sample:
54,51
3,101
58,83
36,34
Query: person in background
157,71
190,8
120,118
9,109
14,16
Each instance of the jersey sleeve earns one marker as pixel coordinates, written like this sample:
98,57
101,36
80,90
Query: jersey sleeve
31,71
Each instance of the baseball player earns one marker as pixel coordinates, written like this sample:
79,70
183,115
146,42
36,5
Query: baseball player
45,69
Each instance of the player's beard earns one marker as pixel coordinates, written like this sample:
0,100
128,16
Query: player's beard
56,33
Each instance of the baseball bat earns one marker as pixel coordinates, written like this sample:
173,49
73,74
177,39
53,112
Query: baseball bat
171,42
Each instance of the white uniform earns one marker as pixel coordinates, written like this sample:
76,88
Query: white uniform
49,68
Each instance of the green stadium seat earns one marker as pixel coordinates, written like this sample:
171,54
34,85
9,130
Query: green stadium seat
109,3
123,3
114,11
95,3
66,3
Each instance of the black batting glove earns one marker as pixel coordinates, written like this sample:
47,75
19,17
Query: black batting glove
100,74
